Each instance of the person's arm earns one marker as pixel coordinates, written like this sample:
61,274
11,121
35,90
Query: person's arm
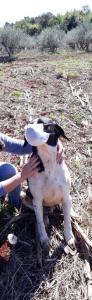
28,170
15,146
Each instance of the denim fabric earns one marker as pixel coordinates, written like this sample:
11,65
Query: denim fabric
7,170
14,146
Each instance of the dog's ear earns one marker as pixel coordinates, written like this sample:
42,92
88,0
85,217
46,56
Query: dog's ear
43,120
60,132
25,142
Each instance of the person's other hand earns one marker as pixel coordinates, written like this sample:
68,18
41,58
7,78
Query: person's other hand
31,168
60,153
2,146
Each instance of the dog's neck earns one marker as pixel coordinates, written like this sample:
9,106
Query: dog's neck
48,155
52,141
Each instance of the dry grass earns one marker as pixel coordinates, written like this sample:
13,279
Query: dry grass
44,93
58,278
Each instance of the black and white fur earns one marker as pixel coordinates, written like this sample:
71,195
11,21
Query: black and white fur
51,186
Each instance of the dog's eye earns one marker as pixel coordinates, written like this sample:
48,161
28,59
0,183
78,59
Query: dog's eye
49,128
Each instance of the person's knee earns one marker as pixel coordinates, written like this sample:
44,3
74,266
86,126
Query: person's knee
7,170
12,170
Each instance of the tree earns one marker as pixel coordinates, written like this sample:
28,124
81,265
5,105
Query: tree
69,23
50,39
44,20
85,9
56,20
12,39
80,37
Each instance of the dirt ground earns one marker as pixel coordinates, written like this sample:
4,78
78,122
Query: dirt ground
58,86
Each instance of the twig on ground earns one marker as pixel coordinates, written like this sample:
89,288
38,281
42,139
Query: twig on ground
76,93
81,234
13,220
87,270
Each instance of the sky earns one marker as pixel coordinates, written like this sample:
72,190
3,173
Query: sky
15,10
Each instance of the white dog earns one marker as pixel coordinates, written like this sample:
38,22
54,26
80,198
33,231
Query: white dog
51,186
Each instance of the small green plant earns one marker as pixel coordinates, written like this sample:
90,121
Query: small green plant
78,118
16,94
77,162
52,117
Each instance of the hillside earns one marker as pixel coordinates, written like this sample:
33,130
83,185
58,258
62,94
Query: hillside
58,86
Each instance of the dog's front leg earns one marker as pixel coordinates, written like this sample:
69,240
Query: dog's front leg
38,208
67,205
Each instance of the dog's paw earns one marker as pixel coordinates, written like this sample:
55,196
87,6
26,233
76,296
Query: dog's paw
70,239
71,243
45,246
46,221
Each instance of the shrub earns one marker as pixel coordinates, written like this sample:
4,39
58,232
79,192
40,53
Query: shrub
50,39
12,39
72,38
56,20
80,37
22,24
69,23
33,29
44,19
88,37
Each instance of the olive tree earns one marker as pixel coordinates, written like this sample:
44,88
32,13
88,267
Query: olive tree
80,37
50,39
12,39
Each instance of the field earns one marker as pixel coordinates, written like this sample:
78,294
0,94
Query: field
58,86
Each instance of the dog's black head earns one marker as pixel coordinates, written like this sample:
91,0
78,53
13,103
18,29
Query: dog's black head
54,132
53,129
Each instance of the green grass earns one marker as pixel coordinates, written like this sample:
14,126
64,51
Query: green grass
78,117
72,65
78,163
16,94
52,116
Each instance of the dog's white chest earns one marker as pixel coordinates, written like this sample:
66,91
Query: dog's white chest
48,186
52,192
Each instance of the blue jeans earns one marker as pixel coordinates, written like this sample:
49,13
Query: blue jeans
8,170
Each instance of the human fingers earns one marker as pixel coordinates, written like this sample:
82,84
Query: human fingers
35,171
2,145
32,166
29,167
33,158
34,163
60,155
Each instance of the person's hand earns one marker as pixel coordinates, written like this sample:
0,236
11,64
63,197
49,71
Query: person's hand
60,153
2,146
31,168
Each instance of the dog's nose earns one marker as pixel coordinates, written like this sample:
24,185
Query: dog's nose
35,134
